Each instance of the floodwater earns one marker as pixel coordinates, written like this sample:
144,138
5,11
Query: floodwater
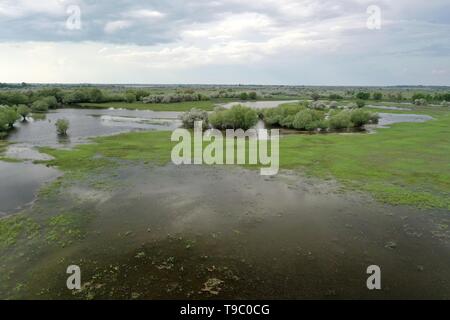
19,182
257,104
391,118
199,232
86,123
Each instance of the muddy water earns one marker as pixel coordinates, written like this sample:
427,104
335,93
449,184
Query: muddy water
19,183
206,232
89,123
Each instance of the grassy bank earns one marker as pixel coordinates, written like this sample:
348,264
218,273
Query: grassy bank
179,106
405,164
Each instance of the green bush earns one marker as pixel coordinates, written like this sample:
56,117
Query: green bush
360,103
8,117
62,125
281,115
23,111
238,117
360,117
340,120
190,117
363,95
40,106
309,120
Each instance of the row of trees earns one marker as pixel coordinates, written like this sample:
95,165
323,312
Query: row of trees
297,117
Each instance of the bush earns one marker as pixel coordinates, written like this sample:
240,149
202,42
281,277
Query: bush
309,120
333,105
276,116
420,102
360,117
243,96
23,111
238,117
363,95
188,118
9,116
360,103
377,96
62,125
340,120
252,95
319,105
40,106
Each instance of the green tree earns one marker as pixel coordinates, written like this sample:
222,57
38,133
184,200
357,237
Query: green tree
40,106
243,96
23,111
62,125
377,96
363,95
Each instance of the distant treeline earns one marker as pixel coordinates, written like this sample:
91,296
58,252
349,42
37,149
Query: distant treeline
42,99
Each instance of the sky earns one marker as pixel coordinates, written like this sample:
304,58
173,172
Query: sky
290,42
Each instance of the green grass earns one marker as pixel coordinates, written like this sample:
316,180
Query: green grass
179,106
14,227
408,163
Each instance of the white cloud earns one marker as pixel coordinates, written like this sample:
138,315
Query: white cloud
117,25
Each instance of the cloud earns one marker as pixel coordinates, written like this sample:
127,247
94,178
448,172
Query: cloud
114,26
301,41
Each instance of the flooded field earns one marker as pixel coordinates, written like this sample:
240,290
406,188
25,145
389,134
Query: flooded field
86,123
208,232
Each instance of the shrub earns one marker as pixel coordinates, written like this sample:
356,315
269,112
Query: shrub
333,105
363,95
130,97
309,120
319,105
9,115
340,120
276,116
315,96
238,117
252,95
360,103
40,106
243,96
377,96
23,111
62,125
420,102
188,118
360,117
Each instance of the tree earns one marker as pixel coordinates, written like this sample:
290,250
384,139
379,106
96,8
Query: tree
130,97
252,95
23,111
62,125
363,95
377,96
315,96
189,118
40,106
243,96
9,115
360,103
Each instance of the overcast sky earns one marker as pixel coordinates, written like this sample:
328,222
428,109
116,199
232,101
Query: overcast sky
308,42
